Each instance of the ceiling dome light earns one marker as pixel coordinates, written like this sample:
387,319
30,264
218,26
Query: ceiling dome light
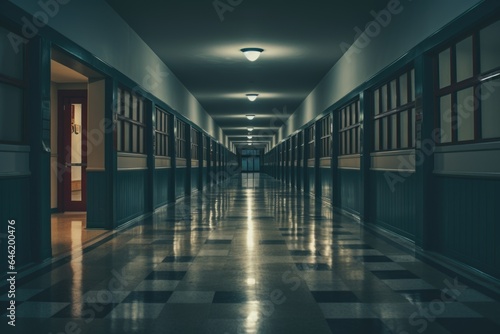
249,137
250,144
250,117
250,129
252,54
252,97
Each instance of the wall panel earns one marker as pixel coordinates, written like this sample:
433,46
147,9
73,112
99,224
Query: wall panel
15,204
162,183
130,195
350,190
393,204
467,221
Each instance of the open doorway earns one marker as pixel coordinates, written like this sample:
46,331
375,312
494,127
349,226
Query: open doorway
70,115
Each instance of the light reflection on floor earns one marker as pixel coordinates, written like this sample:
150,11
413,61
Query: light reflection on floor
250,255
69,232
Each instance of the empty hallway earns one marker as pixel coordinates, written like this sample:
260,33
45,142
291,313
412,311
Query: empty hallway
230,166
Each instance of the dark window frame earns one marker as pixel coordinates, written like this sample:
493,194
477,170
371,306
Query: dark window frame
180,139
194,143
475,82
325,125
125,118
162,134
385,138
311,141
350,128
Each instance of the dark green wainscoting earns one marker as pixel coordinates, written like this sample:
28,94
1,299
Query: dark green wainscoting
326,183
349,181
468,221
312,179
15,205
162,183
130,195
180,181
298,178
205,177
195,175
393,203
99,205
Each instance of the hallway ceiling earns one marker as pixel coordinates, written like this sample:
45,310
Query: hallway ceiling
301,42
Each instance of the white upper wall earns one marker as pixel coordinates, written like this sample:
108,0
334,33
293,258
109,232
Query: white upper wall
412,23
94,25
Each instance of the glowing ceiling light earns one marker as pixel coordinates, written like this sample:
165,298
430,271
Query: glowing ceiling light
252,97
249,137
252,54
250,129
250,117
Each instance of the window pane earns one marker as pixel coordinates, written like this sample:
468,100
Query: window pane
11,62
412,83
349,141
160,149
403,89
403,128
394,131
394,94
119,136
354,140
444,69
135,105
385,134
359,141
126,104
119,102
490,47
348,116
11,113
465,68
344,142
465,114
377,135
445,119
141,140
490,112
140,111
413,129
135,139
384,99
377,102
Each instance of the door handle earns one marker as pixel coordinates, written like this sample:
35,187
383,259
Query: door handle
67,164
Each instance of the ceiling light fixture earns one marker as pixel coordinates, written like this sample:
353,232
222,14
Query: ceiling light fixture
252,54
250,129
252,97
250,117
249,137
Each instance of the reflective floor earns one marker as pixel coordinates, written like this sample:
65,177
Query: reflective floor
249,256
68,232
